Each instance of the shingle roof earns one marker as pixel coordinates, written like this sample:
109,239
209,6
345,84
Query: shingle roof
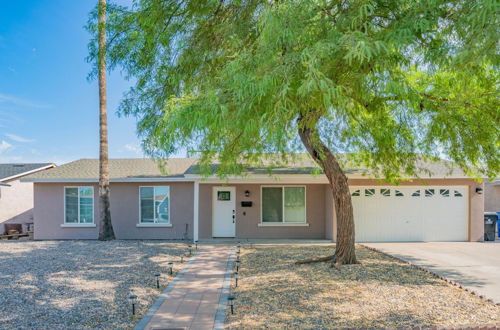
182,168
131,168
9,170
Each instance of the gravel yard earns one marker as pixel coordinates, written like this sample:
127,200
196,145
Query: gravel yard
81,284
273,292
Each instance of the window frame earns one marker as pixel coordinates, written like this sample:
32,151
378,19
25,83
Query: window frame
79,223
154,223
283,223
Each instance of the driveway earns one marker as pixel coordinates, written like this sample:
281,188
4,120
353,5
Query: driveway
473,265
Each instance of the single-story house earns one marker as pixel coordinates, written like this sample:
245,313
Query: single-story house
16,197
291,202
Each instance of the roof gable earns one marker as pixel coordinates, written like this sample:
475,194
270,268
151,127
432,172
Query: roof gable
18,169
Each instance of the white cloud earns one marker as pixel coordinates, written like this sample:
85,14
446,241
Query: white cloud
18,138
133,148
4,145
4,98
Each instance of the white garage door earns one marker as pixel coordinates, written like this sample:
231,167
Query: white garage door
410,213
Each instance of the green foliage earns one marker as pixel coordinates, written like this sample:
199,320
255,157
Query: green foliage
389,81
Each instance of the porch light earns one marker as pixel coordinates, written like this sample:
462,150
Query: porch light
236,279
247,193
133,299
237,265
231,303
479,190
157,275
170,266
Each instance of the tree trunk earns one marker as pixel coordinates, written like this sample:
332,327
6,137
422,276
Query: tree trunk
105,227
344,249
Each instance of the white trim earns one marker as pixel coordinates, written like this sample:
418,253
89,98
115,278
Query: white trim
71,224
153,225
283,224
196,214
169,204
78,225
283,204
92,180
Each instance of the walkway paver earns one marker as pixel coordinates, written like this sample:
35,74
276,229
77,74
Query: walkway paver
192,300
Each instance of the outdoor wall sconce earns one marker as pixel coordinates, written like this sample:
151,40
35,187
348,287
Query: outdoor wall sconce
236,279
157,275
170,265
247,193
231,303
133,298
479,190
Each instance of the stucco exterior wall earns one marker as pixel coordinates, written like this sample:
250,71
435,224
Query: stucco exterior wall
49,212
491,197
248,218
16,203
476,201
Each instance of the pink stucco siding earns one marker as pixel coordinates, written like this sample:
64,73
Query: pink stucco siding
49,212
248,218
16,203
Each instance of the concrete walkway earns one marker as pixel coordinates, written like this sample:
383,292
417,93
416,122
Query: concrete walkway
191,301
475,266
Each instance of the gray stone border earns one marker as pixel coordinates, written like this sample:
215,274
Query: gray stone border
220,316
161,298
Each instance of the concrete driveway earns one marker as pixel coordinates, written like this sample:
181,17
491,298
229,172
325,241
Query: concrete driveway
473,265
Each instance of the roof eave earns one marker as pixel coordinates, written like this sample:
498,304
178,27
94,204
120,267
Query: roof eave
13,177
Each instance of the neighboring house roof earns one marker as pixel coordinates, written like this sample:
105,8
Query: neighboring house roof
4,184
185,169
12,171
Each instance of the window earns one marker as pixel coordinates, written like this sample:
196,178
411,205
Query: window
79,204
416,193
429,192
369,192
155,204
284,204
444,192
385,192
457,194
398,193
355,193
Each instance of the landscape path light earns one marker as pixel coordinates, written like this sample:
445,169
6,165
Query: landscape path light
231,303
133,299
170,266
190,247
236,279
157,275
237,265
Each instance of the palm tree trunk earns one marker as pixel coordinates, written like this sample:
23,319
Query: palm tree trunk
105,227
344,248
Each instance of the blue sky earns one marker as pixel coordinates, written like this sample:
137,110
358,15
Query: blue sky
48,109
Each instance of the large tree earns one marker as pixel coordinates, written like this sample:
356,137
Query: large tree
106,231
389,81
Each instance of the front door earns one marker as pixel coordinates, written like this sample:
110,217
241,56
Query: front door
224,212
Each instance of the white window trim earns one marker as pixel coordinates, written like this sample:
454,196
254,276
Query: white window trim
154,224
78,224
284,223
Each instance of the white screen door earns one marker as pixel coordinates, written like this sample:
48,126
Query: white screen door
224,212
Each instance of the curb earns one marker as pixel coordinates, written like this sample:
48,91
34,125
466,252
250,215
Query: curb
161,298
220,316
458,285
